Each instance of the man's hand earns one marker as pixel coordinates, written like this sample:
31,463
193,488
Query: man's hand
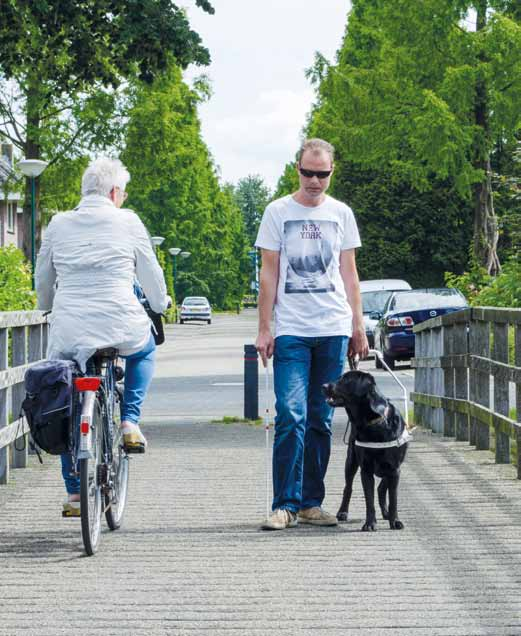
358,343
265,345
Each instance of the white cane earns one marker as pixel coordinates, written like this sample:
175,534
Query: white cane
267,429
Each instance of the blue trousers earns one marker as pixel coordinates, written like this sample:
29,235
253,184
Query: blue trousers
302,443
139,370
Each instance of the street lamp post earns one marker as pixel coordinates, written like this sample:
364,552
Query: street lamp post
255,267
157,240
32,168
174,251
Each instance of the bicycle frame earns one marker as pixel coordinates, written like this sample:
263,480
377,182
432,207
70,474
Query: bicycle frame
102,384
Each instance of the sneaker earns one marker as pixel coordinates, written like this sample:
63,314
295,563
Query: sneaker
317,517
280,519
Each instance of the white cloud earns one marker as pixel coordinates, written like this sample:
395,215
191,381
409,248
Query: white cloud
260,51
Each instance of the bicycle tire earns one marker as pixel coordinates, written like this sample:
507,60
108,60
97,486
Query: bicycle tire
116,501
90,487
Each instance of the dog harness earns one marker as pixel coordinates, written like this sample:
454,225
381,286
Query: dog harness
403,439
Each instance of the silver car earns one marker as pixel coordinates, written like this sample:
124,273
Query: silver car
196,308
374,296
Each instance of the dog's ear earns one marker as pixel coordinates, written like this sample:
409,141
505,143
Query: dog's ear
377,401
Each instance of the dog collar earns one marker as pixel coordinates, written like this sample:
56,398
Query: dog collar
403,439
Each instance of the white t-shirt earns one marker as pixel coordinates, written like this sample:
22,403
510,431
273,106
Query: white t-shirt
311,299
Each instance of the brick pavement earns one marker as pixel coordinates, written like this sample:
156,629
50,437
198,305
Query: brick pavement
191,560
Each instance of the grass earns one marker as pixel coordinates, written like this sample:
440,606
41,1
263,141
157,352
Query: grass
234,419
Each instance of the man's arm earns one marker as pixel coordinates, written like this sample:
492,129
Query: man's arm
349,273
269,278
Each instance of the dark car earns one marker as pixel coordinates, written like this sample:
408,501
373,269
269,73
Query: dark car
393,333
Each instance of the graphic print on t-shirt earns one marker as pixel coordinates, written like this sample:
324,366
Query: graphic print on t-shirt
309,245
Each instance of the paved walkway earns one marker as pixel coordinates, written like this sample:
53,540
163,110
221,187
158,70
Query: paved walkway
191,560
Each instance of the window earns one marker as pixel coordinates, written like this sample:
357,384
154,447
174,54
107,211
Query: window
11,211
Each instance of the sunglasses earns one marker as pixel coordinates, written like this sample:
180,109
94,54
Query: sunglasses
321,174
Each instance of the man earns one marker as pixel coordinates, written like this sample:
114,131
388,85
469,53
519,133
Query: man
94,254
309,276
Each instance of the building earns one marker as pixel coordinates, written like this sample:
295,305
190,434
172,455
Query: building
11,210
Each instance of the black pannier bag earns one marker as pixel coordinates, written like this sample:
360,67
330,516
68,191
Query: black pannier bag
48,403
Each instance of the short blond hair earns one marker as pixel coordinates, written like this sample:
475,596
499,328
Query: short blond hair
316,146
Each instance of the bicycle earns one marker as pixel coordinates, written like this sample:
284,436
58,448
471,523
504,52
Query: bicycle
98,451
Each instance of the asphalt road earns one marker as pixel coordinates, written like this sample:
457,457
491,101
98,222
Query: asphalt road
207,361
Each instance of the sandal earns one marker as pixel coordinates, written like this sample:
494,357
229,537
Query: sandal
134,441
71,509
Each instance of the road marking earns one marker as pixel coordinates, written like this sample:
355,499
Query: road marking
227,383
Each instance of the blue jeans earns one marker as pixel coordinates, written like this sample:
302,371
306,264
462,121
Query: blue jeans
302,444
139,369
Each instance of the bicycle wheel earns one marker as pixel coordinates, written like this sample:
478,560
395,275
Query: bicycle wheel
116,500
90,487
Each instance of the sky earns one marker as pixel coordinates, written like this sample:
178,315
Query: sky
260,50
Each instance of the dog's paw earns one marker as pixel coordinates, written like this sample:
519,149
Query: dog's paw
396,525
342,517
369,526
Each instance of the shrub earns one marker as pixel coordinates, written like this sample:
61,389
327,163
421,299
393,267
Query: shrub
483,290
15,281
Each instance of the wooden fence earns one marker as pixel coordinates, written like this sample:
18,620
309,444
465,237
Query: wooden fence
468,379
23,340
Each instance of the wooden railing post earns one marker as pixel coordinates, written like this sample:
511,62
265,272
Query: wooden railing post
479,380
517,362
436,373
501,385
19,357
461,387
419,378
4,452
449,428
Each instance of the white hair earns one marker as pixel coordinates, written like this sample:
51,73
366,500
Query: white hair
103,175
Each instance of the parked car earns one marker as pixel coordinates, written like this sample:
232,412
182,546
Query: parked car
196,308
393,332
374,296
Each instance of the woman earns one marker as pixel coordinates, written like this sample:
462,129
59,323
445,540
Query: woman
85,273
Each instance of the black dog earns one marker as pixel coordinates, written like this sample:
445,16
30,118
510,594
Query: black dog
374,420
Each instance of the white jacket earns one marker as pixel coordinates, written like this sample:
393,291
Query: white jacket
93,254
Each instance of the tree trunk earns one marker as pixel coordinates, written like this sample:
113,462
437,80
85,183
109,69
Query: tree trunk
32,151
486,233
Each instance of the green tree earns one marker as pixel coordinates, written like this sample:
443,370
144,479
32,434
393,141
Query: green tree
61,63
418,94
252,196
288,182
175,188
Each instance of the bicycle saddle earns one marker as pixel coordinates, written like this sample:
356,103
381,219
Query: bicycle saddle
109,352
